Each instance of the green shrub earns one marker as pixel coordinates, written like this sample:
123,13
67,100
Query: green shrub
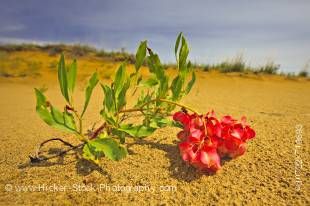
303,73
269,68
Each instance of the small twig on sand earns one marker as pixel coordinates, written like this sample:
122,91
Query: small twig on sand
36,158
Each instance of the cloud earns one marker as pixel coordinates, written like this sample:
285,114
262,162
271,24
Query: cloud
12,40
12,28
215,29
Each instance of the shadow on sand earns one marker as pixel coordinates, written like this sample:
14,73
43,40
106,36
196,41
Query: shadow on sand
83,167
178,168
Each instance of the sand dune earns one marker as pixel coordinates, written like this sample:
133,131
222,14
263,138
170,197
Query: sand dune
265,175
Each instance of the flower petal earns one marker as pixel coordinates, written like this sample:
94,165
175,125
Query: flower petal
181,117
228,120
204,158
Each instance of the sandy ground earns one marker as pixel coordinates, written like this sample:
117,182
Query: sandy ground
154,173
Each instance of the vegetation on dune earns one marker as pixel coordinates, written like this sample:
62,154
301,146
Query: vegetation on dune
18,67
74,51
236,64
269,68
303,73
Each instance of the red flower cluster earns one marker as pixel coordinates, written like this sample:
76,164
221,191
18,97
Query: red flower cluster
205,139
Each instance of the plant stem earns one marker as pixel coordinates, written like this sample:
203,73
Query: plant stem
80,131
141,109
81,126
37,158
178,104
161,100
79,119
97,131
131,110
49,140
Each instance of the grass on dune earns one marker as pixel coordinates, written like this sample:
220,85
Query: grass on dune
21,60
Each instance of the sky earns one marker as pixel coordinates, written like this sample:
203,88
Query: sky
262,31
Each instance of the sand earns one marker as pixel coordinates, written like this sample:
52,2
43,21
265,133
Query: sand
153,173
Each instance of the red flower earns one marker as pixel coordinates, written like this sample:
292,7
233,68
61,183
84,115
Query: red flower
204,139
182,117
196,147
234,136
201,155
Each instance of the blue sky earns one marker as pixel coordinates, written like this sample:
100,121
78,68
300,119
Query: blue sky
262,30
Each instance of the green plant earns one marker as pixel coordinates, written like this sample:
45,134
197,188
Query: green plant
269,68
303,73
79,50
290,76
157,98
235,65
54,50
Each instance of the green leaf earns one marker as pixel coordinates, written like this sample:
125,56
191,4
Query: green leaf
155,66
176,87
69,120
103,135
190,83
89,153
152,81
177,43
108,99
62,78
72,71
160,122
41,100
91,85
121,99
107,147
120,79
144,98
41,108
108,118
57,115
183,55
189,65
54,117
120,134
62,120
140,55
137,131
163,87
45,115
